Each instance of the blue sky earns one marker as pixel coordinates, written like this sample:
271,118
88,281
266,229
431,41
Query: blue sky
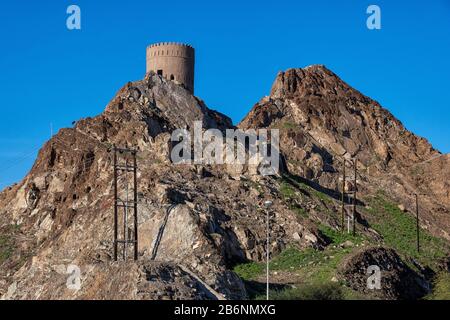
50,74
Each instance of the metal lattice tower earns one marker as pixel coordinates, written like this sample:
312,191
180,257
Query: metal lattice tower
349,195
127,236
344,195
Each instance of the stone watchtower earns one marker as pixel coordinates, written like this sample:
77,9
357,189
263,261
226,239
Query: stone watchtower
174,61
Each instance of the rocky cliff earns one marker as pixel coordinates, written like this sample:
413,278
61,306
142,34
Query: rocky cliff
323,121
60,214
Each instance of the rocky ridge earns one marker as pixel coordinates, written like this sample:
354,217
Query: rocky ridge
60,214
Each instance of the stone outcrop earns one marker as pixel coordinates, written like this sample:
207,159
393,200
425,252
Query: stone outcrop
60,214
397,279
322,120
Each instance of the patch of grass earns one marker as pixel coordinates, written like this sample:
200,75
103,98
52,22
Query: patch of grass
294,183
441,290
338,237
399,231
289,259
6,248
292,258
350,294
323,291
289,193
320,195
286,190
249,271
7,245
321,264
300,211
291,189
289,125
314,268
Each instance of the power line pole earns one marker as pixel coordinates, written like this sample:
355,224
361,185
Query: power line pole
354,199
268,257
343,198
135,206
351,217
267,204
417,223
115,205
126,204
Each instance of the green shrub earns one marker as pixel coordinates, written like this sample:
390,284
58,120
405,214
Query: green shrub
6,248
337,237
287,191
441,289
289,125
248,271
322,291
7,243
292,258
399,231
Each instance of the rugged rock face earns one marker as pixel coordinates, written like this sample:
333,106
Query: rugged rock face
323,121
340,118
121,281
398,281
61,213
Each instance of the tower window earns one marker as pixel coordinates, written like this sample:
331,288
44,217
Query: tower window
172,77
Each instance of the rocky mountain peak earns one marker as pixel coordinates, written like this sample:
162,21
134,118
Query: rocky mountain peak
196,223
347,122
158,97
323,120
315,80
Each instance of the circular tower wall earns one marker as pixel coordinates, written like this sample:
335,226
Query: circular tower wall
173,61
